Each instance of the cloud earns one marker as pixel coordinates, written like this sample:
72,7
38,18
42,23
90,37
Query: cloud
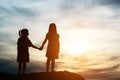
94,68
11,66
114,5
7,66
114,58
74,7
23,11
108,73
88,14
36,66
18,13
104,70
6,38
110,2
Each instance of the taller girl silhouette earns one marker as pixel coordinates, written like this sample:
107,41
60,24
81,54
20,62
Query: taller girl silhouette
53,46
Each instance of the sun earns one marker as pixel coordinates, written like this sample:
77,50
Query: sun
76,49
76,42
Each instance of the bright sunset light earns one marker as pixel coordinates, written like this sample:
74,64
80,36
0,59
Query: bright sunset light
76,49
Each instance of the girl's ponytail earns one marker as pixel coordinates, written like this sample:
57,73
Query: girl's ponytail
20,33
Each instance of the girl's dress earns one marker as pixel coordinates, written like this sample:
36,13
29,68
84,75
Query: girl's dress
22,48
53,46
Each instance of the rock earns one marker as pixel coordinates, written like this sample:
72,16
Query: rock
43,76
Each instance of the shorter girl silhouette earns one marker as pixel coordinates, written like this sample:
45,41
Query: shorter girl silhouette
53,46
22,50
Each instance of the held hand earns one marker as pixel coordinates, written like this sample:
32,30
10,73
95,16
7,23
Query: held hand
40,48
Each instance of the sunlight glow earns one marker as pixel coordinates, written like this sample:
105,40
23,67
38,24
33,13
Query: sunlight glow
76,49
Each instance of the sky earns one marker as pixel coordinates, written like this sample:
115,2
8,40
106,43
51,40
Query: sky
89,35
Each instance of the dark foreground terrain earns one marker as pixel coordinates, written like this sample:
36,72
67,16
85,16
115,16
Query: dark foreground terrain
42,76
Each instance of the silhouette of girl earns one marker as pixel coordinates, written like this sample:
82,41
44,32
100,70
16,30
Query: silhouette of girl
22,50
53,46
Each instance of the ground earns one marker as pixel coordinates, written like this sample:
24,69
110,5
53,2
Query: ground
42,76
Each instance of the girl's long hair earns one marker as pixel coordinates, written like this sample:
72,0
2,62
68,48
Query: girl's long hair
52,28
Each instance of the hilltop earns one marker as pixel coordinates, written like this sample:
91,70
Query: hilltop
42,76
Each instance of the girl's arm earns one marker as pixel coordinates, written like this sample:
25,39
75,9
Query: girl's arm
35,47
43,44
31,45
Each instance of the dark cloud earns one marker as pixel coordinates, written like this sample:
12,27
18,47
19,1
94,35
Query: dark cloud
6,13
110,2
36,66
107,73
114,58
68,4
24,11
4,10
13,10
105,70
10,66
113,4
7,41
19,7
3,49
14,14
114,78
102,76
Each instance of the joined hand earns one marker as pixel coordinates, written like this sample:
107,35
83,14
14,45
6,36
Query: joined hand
40,48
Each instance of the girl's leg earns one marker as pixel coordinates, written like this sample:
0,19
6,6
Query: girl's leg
47,64
19,68
24,67
52,65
